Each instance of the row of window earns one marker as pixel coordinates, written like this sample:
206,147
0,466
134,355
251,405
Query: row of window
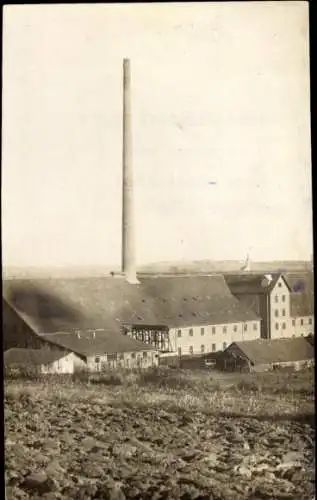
277,326
116,356
293,323
202,348
282,296
277,312
310,321
213,330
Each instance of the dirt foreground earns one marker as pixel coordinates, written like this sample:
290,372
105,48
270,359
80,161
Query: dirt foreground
111,443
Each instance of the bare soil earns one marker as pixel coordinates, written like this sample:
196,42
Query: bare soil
88,442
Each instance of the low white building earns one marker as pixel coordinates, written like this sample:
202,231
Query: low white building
42,361
103,350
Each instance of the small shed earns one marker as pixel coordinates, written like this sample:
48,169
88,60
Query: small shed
42,361
263,354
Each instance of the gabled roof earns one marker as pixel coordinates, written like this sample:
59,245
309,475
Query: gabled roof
253,283
300,281
302,296
32,357
251,301
102,343
56,305
263,351
300,285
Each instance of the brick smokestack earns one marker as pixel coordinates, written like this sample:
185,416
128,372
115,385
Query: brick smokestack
128,243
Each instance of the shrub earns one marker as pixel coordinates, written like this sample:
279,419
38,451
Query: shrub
176,379
80,375
107,379
248,386
15,372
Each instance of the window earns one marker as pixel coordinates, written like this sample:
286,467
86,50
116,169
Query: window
145,355
235,328
301,322
224,345
213,347
310,321
97,359
190,332
112,357
283,312
202,348
283,298
133,355
276,326
191,349
121,356
255,327
179,350
202,331
179,333
245,327
284,326
224,329
213,330
276,298
293,322
280,284
276,313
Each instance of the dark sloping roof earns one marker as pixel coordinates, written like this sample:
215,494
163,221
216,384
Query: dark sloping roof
251,302
32,357
263,351
302,296
103,343
55,305
252,283
300,284
300,281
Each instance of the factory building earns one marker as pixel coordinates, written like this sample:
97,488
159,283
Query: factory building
284,301
103,318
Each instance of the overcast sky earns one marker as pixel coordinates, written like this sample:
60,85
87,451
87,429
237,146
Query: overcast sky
221,131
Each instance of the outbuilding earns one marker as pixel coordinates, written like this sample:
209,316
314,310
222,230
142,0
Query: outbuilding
263,355
41,361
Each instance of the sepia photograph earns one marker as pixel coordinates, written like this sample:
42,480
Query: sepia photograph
157,251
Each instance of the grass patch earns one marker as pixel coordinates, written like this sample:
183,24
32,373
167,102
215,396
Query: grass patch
264,395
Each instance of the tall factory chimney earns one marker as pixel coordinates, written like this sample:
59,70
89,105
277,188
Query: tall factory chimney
128,266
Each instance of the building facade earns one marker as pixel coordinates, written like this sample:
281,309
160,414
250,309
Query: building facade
126,360
286,310
202,339
280,312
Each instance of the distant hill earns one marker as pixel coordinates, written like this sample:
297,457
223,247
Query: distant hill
201,266
224,266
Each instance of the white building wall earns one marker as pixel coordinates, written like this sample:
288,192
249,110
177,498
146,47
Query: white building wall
282,324
137,359
280,321
64,365
212,338
302,326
